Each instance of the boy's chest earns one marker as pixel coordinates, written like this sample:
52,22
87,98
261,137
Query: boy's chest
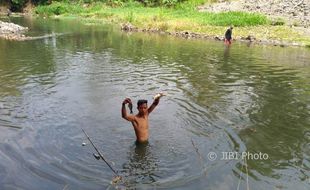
142,122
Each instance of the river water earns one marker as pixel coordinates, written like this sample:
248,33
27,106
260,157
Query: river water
234,117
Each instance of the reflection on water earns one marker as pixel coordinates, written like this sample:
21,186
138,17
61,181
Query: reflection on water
226,53
237,98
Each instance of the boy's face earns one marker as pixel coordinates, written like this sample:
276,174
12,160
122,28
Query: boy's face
142,108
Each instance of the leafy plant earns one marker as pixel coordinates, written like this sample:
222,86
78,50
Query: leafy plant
130,17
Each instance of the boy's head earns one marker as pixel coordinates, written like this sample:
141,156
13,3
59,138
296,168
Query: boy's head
142,106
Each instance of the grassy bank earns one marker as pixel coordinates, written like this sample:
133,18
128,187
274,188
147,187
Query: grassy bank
182,17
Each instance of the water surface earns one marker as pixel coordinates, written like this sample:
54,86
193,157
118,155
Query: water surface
242,98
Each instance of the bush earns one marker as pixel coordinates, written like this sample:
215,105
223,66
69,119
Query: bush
58,8
53,9
236,19
170,3
41,2
17,5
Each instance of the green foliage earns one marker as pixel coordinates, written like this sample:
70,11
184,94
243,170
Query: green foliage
132,4
17,5
130,17
135,12
189,4
58,8
235,18
170,3
87,1
41,2
115,3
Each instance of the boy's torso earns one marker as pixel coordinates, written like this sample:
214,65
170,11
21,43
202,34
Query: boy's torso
141,127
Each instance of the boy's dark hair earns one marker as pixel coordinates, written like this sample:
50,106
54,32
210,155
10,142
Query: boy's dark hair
140,102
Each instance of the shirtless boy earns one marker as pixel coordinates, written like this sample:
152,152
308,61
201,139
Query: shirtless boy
140,121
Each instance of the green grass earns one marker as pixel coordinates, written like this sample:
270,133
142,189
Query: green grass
133,11
236,19
183,17
58,8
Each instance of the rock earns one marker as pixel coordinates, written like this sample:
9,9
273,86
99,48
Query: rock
11,31
250,38
6,28
218,38
128,27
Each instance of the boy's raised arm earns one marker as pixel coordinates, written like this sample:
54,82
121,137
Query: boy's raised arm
155,102
124,112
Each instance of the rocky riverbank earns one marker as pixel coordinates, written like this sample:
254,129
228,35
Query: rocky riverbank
12,31
9,28
293,13
250,39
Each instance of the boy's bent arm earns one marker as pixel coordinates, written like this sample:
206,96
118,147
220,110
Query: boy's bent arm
124,114
154,104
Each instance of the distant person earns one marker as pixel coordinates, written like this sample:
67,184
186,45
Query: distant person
228,34
9,12
140,121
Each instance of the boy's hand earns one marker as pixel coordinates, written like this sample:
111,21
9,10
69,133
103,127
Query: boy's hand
127,101
159,95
